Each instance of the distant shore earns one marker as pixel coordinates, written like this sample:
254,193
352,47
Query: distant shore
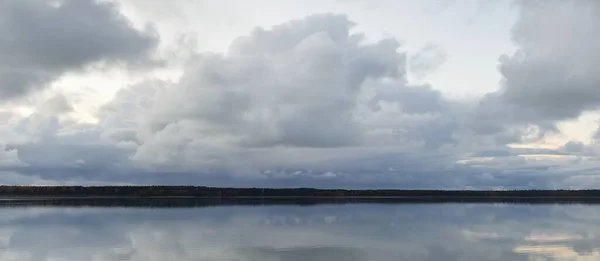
187,202
197,192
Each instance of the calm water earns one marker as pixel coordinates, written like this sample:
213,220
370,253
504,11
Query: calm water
350,232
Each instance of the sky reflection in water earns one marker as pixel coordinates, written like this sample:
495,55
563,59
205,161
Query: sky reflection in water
353,232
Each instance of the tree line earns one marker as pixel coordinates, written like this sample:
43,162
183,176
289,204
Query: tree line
215,192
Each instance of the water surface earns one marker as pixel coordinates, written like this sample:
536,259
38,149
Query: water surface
348,232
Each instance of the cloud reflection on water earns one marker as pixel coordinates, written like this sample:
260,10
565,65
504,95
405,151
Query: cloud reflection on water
359,232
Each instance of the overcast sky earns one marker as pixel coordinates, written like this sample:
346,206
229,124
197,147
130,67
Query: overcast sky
333,93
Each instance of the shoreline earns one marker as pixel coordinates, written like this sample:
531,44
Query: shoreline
194,194
293,197
199,202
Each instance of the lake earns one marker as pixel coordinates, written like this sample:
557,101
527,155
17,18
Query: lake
279,232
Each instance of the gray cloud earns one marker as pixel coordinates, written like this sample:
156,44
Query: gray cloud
285,100
306,102
427,60
55,105
574,146
8,156
294,85
43,39
554,73
420,99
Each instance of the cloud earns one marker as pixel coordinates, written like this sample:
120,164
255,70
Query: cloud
574,146
427,60
320,107
309,102
43,39
294,85
55,106
554,72
8,157
301,99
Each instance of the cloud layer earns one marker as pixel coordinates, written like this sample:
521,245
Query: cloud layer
309,102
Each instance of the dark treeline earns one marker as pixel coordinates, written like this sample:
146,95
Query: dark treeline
213,192
255,201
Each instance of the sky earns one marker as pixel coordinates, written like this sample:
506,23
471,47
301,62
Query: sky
467,94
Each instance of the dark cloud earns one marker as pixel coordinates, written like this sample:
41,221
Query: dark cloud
574,146
507,123
43,39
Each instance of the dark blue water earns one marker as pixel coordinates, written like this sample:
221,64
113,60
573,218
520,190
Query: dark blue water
350,232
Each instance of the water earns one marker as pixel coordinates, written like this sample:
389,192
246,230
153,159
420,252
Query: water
348,232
